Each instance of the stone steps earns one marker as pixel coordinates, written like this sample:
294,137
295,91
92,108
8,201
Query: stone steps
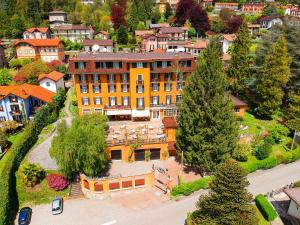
76,191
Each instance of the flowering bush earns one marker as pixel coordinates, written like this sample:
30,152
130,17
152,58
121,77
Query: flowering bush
57,182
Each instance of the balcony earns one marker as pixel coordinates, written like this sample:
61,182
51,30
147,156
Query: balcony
96,82
111,81
140,107
162,106
118,107
139,82
124,81
83,82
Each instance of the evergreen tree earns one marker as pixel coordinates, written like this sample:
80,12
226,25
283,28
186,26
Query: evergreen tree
274,76
239,68
229,202
34,11
122,37
142,12
207,129
155,17
132,17
168,11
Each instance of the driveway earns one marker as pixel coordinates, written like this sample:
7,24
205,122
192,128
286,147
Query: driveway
139,212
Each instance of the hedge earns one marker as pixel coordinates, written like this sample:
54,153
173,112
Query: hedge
265,207
190,187
8,194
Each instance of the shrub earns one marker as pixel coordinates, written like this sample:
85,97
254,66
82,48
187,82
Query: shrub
9,126
265,207
3,140
147,155
57,182
278,132
263,150
32,174
241,152
296,184
289,145
190,187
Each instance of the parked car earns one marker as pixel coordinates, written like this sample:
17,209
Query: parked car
25,216
57,205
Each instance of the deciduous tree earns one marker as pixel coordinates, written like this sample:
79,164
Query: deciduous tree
207,129
5,77
199,19
117,16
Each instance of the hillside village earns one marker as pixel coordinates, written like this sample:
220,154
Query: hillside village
144,105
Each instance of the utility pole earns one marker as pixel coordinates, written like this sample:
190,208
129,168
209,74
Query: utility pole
293,140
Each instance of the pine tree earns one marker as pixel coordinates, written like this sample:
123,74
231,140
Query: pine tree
207,129
168,11
34,11
132,17
122,37
239,68
274,76
229,202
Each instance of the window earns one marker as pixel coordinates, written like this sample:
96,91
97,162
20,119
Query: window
139,79
125,101
155,87
1,108
124,88
178,98
112,101
97,100
169,112
98,111
111,88
237,110
155,100
168,86
84,89
139,65
83,77
12,98
111,78
168,77
80,65
180,77
96,89
124,78
96,78
186,63
179,86
86,111
168,99
154,77
47,84
155,114
85,101
140,89
140,103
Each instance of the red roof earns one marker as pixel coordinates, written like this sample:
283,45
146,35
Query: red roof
26,90
40,42
237,102
169,122
54,75
40,29
229,37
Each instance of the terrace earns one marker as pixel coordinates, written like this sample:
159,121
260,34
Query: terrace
128,132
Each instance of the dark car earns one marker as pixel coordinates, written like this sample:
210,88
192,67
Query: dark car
25,216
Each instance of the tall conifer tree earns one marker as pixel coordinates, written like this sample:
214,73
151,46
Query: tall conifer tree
207,129
229,202
239,68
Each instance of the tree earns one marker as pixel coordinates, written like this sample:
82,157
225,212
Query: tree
32,174
80,148
234,24
17,26
274,76
207,128
117,16
168,11
156,16
199,19
34,11
141,26
183,11
270,10
229,202
5,77
122,37
133,17
4,143
239,68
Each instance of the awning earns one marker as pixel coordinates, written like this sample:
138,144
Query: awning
117,112
140,113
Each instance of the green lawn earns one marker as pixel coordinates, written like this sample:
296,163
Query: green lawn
39,194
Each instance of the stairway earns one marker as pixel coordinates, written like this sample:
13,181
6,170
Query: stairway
76,191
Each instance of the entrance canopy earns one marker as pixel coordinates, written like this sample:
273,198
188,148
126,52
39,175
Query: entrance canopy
118,112
140,113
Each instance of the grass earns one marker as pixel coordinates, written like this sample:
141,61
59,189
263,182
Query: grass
47,129
261,219
40,194
253,47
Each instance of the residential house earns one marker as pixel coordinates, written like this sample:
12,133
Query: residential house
45,49
295,13
288,8
206,3
226,5
19,102
154,41
102,35
73,32
196,48
52,81
177,46
87,1
3,61
175,33
268,21
156,26
294,205
239,106
57,18
98,45
37,33
162,4
140,33
253,7
254,29
227,40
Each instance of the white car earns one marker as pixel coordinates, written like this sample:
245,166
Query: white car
57,205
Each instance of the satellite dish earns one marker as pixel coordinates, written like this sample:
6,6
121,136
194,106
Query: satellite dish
95,48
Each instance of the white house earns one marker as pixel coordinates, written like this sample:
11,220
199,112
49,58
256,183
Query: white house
294,207
269,21
37,33
98,45
52,81
227,40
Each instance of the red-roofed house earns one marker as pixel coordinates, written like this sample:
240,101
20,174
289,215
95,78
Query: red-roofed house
196,47
45,49
227,40
19,102
253,7
73,32
52,81
37,33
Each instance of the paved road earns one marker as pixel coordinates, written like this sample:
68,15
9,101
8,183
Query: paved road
40,154
108,212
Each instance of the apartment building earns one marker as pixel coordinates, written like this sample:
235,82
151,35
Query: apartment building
136,86
45,49
73,32
174,33
226,5
37,33
253,7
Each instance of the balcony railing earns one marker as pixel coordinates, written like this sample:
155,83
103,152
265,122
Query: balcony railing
142,141
162,105
83,82
140,82
140,107
118,107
